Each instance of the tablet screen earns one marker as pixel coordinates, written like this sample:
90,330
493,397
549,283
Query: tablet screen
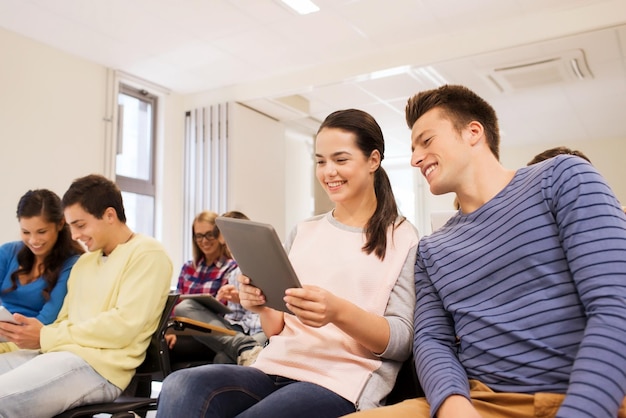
261,256
208,301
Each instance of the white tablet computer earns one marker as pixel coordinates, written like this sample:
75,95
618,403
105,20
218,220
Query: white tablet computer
6,316
260,256
208,301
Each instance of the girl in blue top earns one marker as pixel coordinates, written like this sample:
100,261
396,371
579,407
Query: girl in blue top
34,271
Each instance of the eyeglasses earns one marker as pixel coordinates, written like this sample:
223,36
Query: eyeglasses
209,236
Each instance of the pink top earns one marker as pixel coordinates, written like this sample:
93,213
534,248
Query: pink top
330,256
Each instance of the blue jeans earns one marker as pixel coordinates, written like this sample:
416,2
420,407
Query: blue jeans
35,385
227,347
225,390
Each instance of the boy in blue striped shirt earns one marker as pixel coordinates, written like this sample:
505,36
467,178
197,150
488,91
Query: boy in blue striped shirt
521,296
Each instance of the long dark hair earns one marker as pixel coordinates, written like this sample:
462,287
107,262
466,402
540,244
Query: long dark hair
47,204
369,137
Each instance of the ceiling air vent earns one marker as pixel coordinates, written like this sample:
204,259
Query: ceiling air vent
565,67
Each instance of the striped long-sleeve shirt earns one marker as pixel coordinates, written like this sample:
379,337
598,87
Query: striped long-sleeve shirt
533,285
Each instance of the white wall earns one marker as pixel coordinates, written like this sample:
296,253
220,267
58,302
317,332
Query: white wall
270,170
52,107
169,193
606,156
256,167
52,127
299,178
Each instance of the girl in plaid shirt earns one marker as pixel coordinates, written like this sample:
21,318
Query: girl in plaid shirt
212,262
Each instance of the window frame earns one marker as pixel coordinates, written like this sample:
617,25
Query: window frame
131,184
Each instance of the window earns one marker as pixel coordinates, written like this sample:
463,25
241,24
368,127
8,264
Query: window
402,178
134,162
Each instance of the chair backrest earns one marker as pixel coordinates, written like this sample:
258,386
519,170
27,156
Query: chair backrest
155,360
156,364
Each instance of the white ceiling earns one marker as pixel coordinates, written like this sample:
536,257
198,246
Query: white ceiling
367,54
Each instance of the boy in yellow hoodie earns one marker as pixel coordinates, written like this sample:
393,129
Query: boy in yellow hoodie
116,294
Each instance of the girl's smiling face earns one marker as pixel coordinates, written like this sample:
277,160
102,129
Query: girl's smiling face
39,235
341,168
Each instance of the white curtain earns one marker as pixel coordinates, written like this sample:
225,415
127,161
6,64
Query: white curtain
206,159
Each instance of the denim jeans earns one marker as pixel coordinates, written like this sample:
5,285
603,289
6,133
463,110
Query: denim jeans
34,385
229,345
225,390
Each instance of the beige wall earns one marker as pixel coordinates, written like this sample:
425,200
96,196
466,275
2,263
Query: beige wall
256,172
52,107
269,170
606,156
53,128
169,192
299,178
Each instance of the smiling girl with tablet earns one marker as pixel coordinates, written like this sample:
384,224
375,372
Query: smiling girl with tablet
350,324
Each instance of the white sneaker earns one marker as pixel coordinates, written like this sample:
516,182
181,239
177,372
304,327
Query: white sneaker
248,357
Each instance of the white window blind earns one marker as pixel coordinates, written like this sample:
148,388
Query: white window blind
206,164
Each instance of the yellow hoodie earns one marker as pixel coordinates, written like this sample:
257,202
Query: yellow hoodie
112,308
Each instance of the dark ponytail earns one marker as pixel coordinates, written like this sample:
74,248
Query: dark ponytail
369,138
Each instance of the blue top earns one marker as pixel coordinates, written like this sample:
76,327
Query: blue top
28,299
533,284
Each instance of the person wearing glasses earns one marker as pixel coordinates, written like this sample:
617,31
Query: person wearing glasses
211,263
208,273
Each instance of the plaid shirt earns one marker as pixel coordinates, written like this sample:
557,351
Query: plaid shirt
205,279
249,321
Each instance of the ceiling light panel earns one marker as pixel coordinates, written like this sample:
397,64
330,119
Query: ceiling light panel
302,7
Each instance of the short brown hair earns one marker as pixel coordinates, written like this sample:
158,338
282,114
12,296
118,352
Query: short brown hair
461,106
235,214
553,152
95,193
